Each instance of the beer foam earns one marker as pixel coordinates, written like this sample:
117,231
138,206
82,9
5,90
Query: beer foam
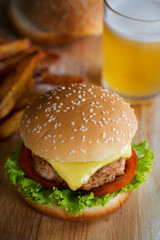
146,23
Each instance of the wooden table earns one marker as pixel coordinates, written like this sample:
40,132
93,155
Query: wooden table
139,219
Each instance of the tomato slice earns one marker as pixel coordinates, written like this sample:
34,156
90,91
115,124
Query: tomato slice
119,182
27,164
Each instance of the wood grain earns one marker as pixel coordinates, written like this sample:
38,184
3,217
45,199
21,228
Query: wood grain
139,219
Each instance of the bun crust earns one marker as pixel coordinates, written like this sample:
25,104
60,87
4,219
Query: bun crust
89,214
54,22
78,123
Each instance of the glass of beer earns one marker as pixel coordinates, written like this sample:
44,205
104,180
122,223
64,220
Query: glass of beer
131,48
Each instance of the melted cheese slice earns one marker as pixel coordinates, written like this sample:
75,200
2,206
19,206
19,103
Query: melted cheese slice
76,174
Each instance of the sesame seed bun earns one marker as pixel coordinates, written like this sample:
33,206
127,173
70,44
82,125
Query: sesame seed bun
78,123
88,214
54,22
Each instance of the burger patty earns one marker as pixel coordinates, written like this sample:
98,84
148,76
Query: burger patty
102,176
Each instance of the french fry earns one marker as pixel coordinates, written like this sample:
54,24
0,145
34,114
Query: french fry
7,64
10,125
12,48
15,83
51,78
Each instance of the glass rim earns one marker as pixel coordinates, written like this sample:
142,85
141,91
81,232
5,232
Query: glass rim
128,17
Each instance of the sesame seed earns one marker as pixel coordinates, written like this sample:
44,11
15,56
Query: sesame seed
39,107
71,152
48,109
89,90
83,128
83,138
105,122
95,122
103,135
73,123
82,150
71,138
79,96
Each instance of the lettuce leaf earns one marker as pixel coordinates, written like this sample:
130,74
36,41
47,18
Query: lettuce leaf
74,202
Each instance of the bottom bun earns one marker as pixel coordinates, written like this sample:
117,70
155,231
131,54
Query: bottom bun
88,214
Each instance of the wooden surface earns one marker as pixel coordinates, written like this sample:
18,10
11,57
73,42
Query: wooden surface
139,219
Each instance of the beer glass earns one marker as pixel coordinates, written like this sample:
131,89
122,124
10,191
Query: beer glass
131,48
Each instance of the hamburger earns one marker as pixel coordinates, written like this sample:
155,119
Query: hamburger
56,22
77,161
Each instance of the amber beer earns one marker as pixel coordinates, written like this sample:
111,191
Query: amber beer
131,48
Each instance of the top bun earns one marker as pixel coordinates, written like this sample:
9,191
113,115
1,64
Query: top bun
78,123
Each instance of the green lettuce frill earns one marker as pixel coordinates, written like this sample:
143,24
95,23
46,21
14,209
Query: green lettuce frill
74,202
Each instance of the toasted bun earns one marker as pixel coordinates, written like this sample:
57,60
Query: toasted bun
88,214
52,22
78,123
